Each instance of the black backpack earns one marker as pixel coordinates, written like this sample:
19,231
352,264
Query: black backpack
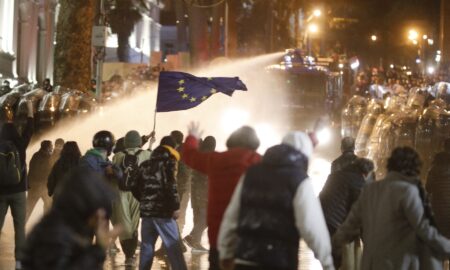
10,169
130,168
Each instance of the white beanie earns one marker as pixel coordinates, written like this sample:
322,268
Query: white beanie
300,141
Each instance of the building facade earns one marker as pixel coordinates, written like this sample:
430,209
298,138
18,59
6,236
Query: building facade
27,31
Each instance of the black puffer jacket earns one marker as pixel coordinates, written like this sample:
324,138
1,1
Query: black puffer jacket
158,184
438,185
341,190
343,161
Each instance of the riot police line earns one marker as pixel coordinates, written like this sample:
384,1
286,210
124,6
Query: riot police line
418,118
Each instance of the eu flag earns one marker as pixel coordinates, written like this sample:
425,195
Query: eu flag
181,91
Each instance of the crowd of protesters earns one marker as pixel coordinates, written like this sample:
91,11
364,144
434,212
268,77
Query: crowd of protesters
256,208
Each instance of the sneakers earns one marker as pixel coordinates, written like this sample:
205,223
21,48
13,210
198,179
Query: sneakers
113,249
130,261
194,245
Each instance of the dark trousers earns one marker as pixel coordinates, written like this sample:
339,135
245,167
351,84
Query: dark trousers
214,262
129,246
17,202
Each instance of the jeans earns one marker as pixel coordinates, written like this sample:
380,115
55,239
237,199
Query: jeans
17,202
167,229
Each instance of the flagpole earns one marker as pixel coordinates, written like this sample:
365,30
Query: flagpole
154,121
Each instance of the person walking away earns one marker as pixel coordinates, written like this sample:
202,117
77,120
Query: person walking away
223,170
347,156
199,200
13,178
272,207
40,167
96,158
396,225
59,144
125,210
340,191
184,178
159,205
68,160
438,186
63,238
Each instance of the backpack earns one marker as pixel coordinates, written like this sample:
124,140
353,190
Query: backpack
130,168
9,164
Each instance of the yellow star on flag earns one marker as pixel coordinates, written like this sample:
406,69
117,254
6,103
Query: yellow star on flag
184,96
204,98
181,82
180,89
193,99
213,91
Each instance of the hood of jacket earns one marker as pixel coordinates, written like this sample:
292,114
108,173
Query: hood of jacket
164,152
285,155
95,160
396,176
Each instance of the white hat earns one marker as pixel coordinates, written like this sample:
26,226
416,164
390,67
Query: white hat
300,141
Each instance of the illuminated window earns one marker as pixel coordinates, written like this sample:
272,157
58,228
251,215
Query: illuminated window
7,25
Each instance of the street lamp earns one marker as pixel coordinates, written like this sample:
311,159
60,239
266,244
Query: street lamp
374,38
313,28
413,35
317,13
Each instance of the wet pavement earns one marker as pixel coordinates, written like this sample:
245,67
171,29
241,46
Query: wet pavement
319,168
195,261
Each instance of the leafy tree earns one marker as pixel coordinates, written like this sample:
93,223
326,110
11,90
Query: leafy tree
73,44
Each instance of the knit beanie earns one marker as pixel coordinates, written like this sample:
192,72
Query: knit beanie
132,139
300,141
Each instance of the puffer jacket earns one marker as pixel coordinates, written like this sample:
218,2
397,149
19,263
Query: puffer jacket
341,190
343,161
438,185
157,182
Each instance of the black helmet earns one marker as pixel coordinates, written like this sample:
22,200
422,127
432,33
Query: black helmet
105,140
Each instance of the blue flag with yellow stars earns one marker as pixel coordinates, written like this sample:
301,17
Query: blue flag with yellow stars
181,91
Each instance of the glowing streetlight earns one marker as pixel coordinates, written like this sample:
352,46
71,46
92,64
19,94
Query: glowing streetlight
317,13
430,70
313,28
374,38
425,37
430,41
413,34
415,42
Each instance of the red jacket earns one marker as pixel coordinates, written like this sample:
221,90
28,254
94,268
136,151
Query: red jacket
223,170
